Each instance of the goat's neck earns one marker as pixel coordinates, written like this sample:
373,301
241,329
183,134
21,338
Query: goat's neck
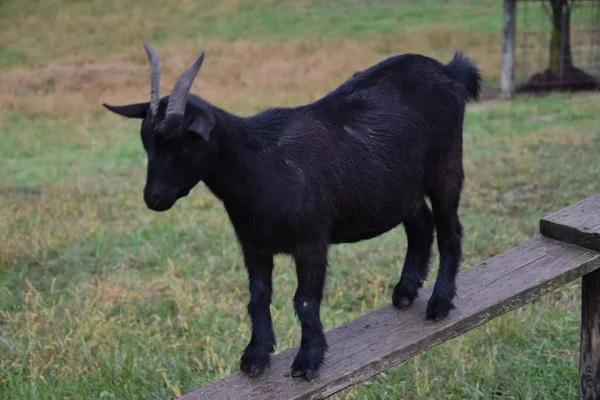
239,142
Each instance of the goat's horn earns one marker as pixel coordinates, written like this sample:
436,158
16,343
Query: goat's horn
154,78
182,87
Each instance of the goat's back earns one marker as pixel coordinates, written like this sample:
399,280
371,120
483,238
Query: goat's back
362,157
384,130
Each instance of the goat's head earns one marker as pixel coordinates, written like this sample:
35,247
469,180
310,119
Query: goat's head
176,134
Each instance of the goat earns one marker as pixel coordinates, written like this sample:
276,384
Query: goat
347,167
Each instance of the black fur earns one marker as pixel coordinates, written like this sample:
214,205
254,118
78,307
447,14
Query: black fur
348,167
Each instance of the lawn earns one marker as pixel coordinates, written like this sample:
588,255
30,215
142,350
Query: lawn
101,298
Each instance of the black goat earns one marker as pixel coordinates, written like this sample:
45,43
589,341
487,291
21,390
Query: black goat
350,166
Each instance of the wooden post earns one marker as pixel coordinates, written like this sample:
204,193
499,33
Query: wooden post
564,31
508,48
589,364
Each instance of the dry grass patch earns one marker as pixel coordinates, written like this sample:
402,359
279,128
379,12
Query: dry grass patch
242,75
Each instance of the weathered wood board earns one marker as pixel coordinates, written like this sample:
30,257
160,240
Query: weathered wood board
577,224
387,337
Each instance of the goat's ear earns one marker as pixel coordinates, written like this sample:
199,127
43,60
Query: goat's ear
202,126
136,110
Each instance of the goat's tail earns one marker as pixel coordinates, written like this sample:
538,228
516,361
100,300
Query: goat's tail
463,70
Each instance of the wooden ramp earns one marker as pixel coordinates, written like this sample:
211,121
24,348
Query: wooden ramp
387,337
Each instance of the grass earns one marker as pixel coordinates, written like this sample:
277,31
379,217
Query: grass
35,30
102,299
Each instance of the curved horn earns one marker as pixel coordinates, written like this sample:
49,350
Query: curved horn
154,78
182,87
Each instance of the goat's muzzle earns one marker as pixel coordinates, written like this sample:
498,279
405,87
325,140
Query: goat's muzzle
158,202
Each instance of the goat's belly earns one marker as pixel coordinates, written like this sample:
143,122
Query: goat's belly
355,231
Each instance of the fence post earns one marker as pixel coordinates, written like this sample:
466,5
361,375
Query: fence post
589,362
508,48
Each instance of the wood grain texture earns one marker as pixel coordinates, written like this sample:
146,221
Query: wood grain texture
589,364
577,224
387,337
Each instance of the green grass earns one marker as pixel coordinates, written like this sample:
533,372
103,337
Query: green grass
36,29
101,298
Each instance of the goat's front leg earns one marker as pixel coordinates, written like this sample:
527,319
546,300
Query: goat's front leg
311,268
256,356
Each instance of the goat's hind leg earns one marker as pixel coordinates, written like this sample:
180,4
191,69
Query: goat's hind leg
419,231
311,268
445,198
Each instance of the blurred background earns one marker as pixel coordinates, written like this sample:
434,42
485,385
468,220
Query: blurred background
101,298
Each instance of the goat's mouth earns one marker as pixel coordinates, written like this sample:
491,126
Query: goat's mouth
160,207
165,201
182,193
160,204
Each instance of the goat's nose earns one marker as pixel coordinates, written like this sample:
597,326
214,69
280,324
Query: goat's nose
150,197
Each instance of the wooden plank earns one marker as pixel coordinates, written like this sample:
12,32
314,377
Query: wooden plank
589,364
387,337
508,48
577,224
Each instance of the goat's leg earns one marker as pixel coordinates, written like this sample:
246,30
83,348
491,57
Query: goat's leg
445,201
256,356
311,268
419,233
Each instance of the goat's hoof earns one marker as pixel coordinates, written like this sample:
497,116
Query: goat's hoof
306,374
254,361
255,370
438,309
307,362
402,302
403,297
